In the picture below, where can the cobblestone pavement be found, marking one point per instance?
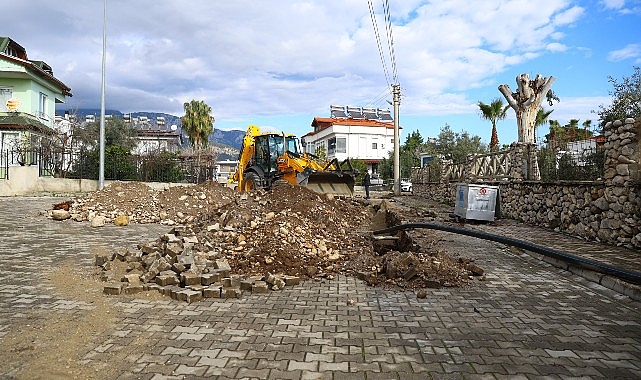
(527, 320)
(620, 257)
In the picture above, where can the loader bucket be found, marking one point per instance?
(327, 182)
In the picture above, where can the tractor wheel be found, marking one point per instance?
(251, 182)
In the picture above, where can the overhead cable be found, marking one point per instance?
(378, 42)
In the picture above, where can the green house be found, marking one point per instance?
(28, 96)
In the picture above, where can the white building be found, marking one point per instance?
(157, 139)
(365, 134)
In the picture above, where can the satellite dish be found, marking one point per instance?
(174, 127)
(13, 104)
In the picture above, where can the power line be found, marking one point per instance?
(380, 99)
(390, 39)
(378, 41)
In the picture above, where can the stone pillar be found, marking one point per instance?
(533, 173)
(622, 152)
(523, 163)
(621, 201)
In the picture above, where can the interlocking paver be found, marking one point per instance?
(527, 320)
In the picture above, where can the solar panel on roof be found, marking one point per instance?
(337, 111)
(370, 113)
(355, 112)
(385, 115)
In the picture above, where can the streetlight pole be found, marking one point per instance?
(396, 92)
(101, 172)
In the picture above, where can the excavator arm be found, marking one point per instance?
(246, 153)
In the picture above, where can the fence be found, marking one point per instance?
(83, 164)
(518, 163)
(576, 165)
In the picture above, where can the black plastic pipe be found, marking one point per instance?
(623, 274)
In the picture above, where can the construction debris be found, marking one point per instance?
(222, 243)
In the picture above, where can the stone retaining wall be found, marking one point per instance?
(607, 210)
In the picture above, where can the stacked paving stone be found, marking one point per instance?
(175, 266)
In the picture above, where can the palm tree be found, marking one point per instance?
(493, 112)
(541, 118)
(198, 123)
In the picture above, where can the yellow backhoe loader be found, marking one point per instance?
(267, 158)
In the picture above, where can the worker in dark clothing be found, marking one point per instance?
(366, 183)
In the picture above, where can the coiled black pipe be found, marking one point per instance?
(623, 274)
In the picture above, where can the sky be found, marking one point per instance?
(280, 63)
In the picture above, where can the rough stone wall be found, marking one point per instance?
(608, 210)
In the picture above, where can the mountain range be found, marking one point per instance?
(231, 138)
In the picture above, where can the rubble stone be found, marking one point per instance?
(230, 292)
(222, 264)
(260, 287)
(291, 280)
(190, 278)
(112, 289)
(98, 221)
(101, 259)
(60, 215)
(164, 280)
(132, 279)
(121, 220)
(133, 289)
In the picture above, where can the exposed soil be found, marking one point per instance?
(289, 230)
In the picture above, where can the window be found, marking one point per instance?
(5, 94)
(341, 145)
(10, 51)
(374, 145)
(331, 145)
(337, 145)
(42, 106)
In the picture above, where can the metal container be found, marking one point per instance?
(477, 202)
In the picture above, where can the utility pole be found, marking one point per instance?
(101, 171)
(396, 92)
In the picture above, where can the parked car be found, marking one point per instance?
(406, 186)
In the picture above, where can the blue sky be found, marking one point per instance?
(279, 64)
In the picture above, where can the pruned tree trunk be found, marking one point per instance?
(526, 102)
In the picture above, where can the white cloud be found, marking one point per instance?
(578, 108)
(273, 57)
(613, 4)
(631, 51)
(556, 47)
(569, 16)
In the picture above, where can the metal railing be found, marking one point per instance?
(119, 165)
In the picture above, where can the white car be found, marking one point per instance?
(406, 186)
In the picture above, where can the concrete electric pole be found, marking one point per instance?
(396, 92)
(101, 169)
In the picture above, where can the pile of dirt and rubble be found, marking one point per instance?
(142, 204)
(223, 242)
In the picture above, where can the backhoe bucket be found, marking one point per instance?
(341, 184)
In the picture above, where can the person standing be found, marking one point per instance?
(366, 183)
